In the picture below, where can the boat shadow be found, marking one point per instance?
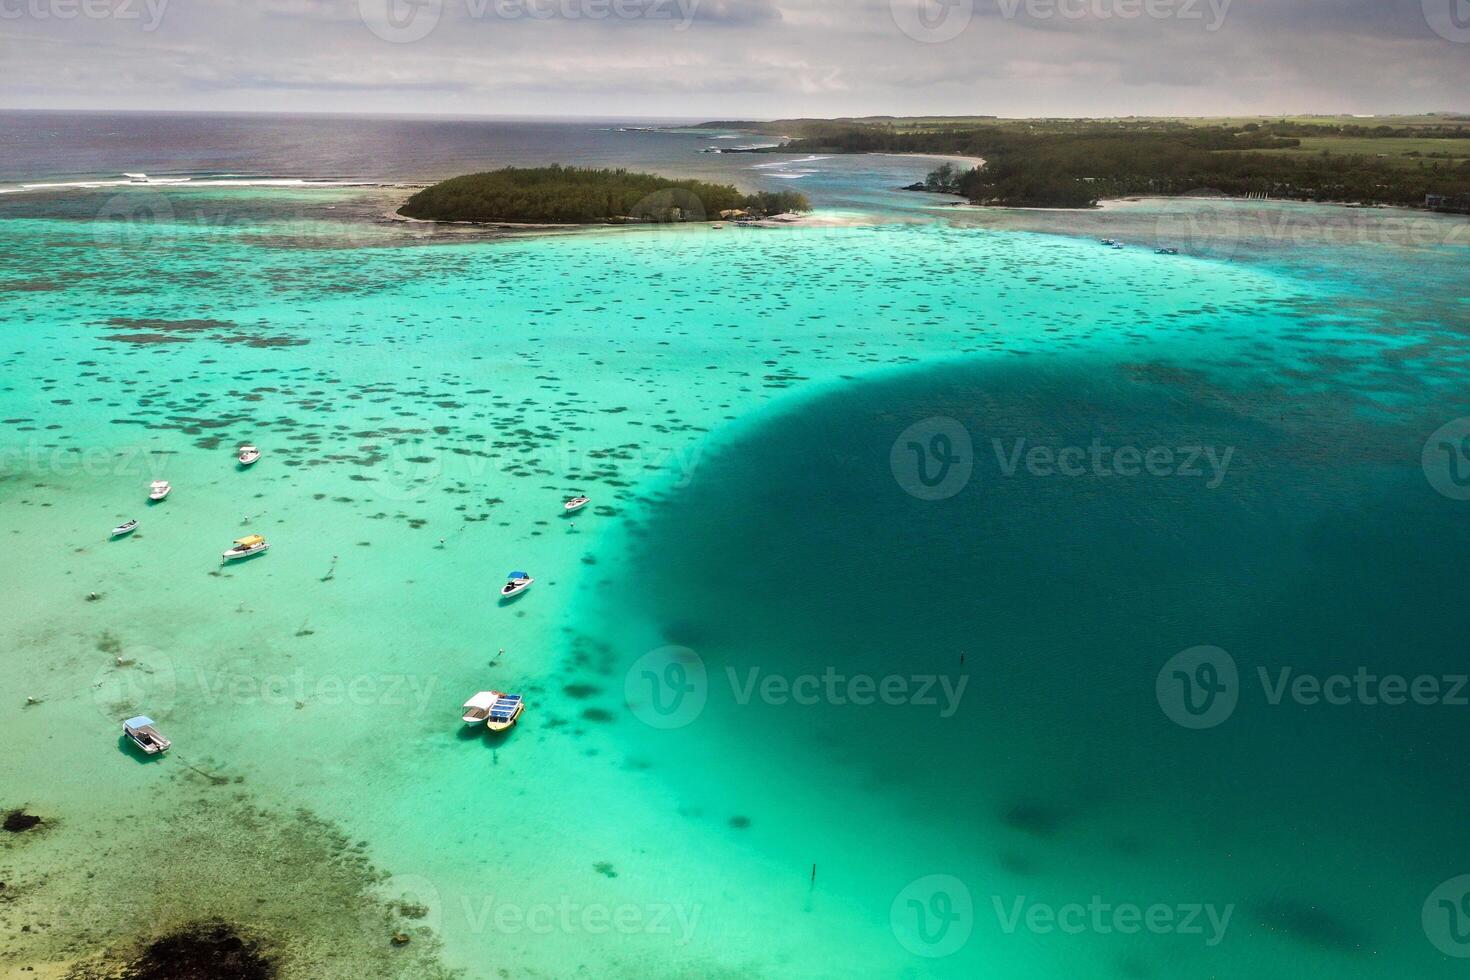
(496, 739)
(130, 749)
(479, 733)
(241, 560)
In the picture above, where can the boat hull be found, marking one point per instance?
(500, 726)
(506, 594)
(147, 748)
(241, 555)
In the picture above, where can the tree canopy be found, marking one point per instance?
(576, 195)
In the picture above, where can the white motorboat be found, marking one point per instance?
(252, 544)
(145, 736)
(477, 708)
(515, 584)
(248, 455)
(159, 489)
(576, 504)
(127, 527)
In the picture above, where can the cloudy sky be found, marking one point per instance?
(739, 58)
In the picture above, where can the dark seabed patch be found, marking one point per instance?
(196, 951)
(147, 331)
(1313, 925)
(219, 876)
(18, 821)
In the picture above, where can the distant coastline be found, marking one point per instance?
(1421, 163)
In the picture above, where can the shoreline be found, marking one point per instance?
(1115, 202)
(974, 162)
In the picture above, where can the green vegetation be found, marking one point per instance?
(573, 195)
(1078, 162)
(944, 179)
(1397, 151)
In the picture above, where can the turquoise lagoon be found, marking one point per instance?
(730, 399)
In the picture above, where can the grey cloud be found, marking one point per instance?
(745, 57)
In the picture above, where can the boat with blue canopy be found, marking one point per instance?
(516, 583)
(506, 710)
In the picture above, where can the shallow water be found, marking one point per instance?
(730, 400)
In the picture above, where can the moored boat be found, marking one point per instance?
(145, 735)
(516, 583)
(1166, 251)
(251, 544)
(477, 708)
(159, 489)
(576, 504)
(127, 527)
(248, 455)
(504, 712)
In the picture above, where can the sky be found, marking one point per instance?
(739, 59)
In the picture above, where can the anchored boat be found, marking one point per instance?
(477, 708)
(576, 504)
(516, 583)
(145, 736)
(494, 710)
(506, 712)
(248, 455)
(252, 544)
(159, 489)
(127, 527)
